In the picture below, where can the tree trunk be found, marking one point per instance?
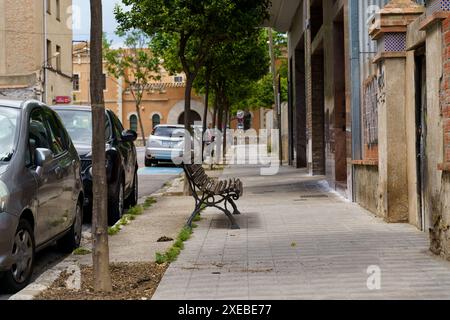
(216, 104)
(205, 113)
(138, 111)
(187, 124)
(187, 103)
(100, 252)
(226, 117)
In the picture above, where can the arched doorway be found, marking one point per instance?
(193, 118)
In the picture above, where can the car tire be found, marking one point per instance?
(116, 204)
(132, 199)
(149, 163)
(72, 239)
(18, 277)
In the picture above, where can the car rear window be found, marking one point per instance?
(169, 132)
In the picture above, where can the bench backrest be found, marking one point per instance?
(197, 175)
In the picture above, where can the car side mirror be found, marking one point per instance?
(43, 157)
(129, 136)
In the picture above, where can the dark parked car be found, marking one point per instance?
(41, 195)
(121, 158)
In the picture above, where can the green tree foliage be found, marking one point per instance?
(184, 31)
(135, 64)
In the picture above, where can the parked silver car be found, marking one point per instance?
(164, 144)
(41, 194)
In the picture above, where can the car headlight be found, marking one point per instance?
(4, 195)
(108, 162)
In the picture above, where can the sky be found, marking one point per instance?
(82, 21)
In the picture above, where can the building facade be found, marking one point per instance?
(163, 102)
(369, 104)
(36, 49)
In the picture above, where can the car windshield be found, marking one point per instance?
(8, 132)
(169, 132)
(79, 125)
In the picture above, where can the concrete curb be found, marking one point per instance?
(44, 281)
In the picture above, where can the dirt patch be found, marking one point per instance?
(165, 239)
(131, 281)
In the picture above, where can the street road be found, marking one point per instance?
(150, 181)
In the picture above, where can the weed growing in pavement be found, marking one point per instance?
(131, 215)
(149, 202)
(81, 251)
(173, 252)
(185, 234)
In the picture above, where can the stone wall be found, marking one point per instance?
(366, 186)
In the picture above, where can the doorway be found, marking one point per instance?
(195, 117)
(340, 112)
(421, 133)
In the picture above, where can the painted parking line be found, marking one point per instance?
(160, 171)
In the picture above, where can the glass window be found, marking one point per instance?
(156, 120)
(38, 133)
(78, 124)
(169, 132)
(57, 143)
(8, 132)
(134, 122)
(58, 58)
(58, 10)
(49, 54)
(76, 82)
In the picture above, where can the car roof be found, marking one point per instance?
(11, 103)
(170, 126)
(71, 107)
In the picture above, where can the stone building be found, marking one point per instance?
(36, 50)
(163, 103)
(369, 104)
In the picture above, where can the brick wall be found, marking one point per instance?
(445, 88)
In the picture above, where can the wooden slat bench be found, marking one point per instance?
(209, 192)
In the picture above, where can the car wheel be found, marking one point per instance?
(149, 163)
(132, 199)
(116, 204)
(72, 239)
(20, 273)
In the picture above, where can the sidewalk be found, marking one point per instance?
(300, 241)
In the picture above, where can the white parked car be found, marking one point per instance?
(164, 144)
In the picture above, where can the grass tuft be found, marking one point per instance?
(81, 251)
(149, 202)
(173, 252)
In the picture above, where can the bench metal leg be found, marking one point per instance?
(233, 204)
(198, 208)
(234, 225)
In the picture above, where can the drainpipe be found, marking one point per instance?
(44, 95)
(120, 99)
(356, 85)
